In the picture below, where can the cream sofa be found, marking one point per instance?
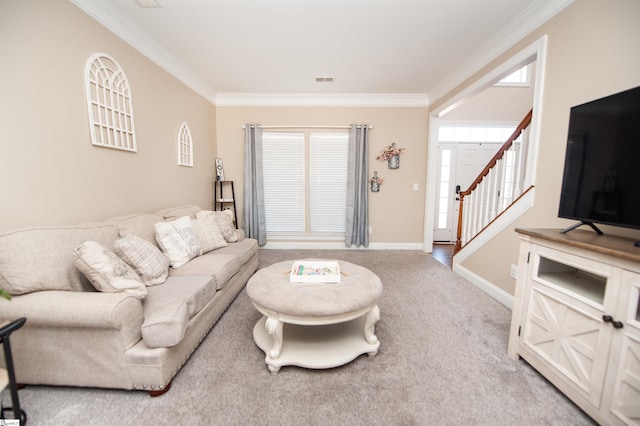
(78, 336)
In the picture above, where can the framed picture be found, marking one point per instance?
(219, 169)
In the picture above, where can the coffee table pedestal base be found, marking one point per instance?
(316, 346)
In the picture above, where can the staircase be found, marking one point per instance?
(498, 187)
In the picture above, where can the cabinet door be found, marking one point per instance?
(563, 328)
(625, 404)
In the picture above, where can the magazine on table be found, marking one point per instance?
(312, 271)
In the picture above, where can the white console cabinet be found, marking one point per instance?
(576, 318)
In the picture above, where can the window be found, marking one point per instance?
(185, 146)
(305, 182)
(472, 133)
(109, 104)
(518, 78)
(445, 183)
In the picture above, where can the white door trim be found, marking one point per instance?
(534, 52)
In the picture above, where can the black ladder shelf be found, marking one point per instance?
(220, 202)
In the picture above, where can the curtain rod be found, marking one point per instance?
(296, 126)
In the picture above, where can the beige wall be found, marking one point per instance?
(495, 103)
(397, 211)
(49, 171)
(51, 174)
(592, 52)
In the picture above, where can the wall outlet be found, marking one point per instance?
(371, 229)
(514, 271)
(415, 186)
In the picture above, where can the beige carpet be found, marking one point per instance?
(442, 361)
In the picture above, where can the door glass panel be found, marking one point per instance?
(445, 183)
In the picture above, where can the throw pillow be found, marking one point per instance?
(106, 271)
(178, 241)
(145, 258)
(224, 220)
(207, 233)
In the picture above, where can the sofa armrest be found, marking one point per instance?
(75, 309)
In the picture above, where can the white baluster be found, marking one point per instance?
(503, 167)
(468, 216)
(522, 161)
(485, 201)
(479, 210)
(472, 223)
(494, 192)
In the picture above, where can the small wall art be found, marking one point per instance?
(376, 182)
(391, 154)
(219, 169)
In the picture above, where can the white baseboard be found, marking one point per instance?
(500, 224)
(497, 293)
(337, 245)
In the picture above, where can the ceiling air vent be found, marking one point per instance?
(324, 79)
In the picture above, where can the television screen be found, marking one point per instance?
(601, 182)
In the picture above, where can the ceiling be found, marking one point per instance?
(411, 49)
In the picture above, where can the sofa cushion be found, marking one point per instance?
(106, 271)
(207, 233)
(169, 307)
(244, 249)
(144, 257)
(36, 259)
(173, 213)
(224, 220)
(140, 224)
(214, 264)
(178, 241)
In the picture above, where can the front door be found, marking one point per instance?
(458, 164)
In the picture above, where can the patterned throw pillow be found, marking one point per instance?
(224, 220)
(106, 271)
(145, 258)
(178, 241)
(207, 233)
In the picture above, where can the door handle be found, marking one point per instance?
(614, 323)
(457, 189)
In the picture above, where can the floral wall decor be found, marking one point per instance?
(376, 181)
(391, 154)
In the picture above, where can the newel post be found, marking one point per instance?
(458, 245)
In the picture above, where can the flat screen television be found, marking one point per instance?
(601, 181)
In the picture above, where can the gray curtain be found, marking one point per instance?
(357, 227)
(253, 214)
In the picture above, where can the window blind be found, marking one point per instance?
(283, 163)
(328, 181)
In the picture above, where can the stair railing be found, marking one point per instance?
(497, 186)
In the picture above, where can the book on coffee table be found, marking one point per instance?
(308, 271)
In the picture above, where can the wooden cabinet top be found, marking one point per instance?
(611, 245)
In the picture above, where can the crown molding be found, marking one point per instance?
(539, 12)
(117, 23)
(322, 99)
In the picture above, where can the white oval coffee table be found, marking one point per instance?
(315, 325)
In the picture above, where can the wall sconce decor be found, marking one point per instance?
(391, 154)
(376, 181)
